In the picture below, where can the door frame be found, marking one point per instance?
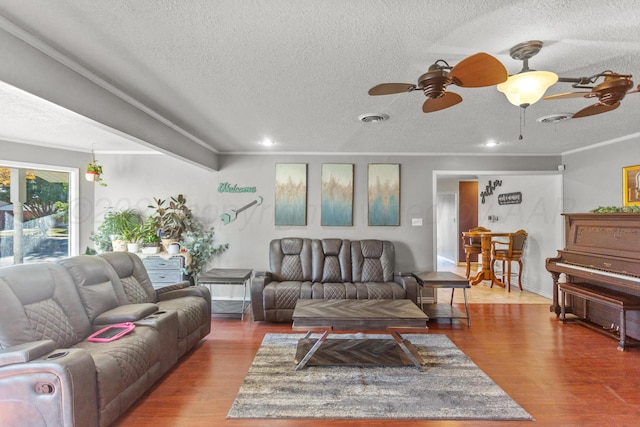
(466, 174)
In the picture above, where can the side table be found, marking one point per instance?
(228, 276)
(444, 279)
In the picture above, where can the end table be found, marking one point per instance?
(228, 276)
(444, 279)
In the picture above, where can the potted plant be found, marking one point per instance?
(149, 239)
(133, 237)
(115, 225)
(172, 218)
(94, 173)
(199, 244)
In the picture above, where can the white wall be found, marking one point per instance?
(538, 214)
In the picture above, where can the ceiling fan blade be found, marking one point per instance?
(567, 95)
(391, 88)
(447, 100)
(479, 70)
(636, 90)
(595, 109)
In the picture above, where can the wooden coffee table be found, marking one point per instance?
(325, 316)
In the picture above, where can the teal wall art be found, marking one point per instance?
(337, 194)
(384, 194)
(291, 194)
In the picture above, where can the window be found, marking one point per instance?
(35, 213)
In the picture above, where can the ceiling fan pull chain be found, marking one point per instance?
(523, 112)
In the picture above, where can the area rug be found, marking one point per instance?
(450, 386)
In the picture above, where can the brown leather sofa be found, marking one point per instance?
(51, 375)
(303, 268)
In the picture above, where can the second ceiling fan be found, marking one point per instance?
(609, 93)
(479, 70)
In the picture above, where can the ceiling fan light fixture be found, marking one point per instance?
(526, 88)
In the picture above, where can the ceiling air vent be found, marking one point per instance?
(373, 118)
(554, 118)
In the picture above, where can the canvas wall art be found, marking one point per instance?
(384, 194)
(631, 185)
(291, 194)
(337, 194)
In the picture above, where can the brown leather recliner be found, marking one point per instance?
(302, 268)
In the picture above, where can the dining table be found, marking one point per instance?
(485, 241)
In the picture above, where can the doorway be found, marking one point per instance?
(539, 213)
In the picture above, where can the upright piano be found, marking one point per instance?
(601, 250)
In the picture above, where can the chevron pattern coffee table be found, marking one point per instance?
(325, 316)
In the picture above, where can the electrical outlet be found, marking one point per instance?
(416, 222)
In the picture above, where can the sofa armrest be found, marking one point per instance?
(263, 274)
(26, 352)
(410, 285)
(61, 386)
(190, 291)
(125, 313)
(259, 281)
(170, 288)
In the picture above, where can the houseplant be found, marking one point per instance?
(609, 209)
(94, 173)
(149, 240)
(115, 226)
(133, 237)
(172, 218)
(199, 243)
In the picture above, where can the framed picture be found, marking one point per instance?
(631, 185)
(291, 194)
(336, 198)
(384, 194)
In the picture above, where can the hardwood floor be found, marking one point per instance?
(563, 375)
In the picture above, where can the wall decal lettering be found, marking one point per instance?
(488, 190)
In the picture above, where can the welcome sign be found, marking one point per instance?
(510, 198)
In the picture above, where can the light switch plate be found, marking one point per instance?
(416, 222)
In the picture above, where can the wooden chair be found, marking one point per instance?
(512, 253)
(472, 245)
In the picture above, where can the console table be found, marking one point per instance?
(228, 276)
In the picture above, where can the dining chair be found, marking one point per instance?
(512, 253)
(472, 246)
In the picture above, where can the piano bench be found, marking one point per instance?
(610, 298)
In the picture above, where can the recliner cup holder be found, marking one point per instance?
(156, 314)
(57, 355)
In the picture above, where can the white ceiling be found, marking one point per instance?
(232, 72)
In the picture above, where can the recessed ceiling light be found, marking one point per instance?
(373, 117)
(267, 142)
(491, 143)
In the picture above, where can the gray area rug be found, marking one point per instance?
(450, 387)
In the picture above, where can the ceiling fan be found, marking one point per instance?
(479, 70)
(528, 86)
(609, 93)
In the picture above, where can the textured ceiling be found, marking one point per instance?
(233, 72)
